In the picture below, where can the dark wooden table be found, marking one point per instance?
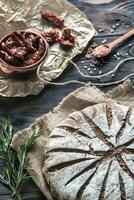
(104, 14)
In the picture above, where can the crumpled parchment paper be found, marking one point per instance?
(77, 100)
(25, 14)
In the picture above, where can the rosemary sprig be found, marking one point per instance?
(14, 172)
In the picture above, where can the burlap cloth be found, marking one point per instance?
(77, 100)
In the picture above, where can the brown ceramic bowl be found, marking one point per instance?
(10, 69)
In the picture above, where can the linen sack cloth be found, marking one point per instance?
(79, 99)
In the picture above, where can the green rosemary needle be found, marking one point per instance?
(14, 172)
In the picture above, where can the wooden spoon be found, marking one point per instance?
(104, 50)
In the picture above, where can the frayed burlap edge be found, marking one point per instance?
(123, 94)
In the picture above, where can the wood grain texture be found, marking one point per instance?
(24, 111)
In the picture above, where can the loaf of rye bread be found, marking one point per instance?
(90, 155)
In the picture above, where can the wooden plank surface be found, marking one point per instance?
(104, 14)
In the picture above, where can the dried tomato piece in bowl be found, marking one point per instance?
(22, 48)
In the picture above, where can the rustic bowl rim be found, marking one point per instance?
(27, 67)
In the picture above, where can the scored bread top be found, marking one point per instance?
(90, 155)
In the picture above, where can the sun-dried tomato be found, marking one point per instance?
(22, 48)
(29, 61)
(18, 40)
(35, 42)
(18, 52)
(53, 19)
(9, 43)
(10, 59)
(67, 40)
(51, 36)
(29, 46)
(41, 48)
(36, 56)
